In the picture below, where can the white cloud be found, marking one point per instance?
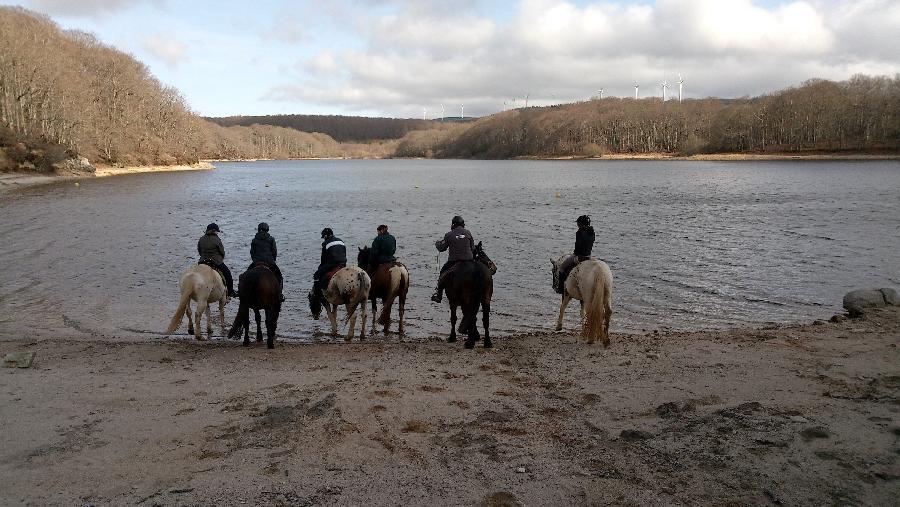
(165, 48)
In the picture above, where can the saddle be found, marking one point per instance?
(329, 275)
(261, 264)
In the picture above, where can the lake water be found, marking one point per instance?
(691, 244)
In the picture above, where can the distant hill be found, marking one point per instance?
(340, 128)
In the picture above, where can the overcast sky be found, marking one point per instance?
(396, 57)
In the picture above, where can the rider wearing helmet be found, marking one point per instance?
(384, 246)
(212, 253)
(461, 244)
(334, 255)
(263, 249)
(584, 242)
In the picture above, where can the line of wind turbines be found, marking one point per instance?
(515, 100)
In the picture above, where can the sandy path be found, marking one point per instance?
(794, 415)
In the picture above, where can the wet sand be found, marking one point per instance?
(794, 415)
(9, 181)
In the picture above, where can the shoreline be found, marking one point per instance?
(13, 180)
(794, 415)
(724, 157)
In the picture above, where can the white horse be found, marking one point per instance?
(204, 285)
(350, 287)
(591, 283)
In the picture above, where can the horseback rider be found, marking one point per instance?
(461, 244)
(334, 255)
(212, 253)
(584, 242)
(263, 249)
(384, 246)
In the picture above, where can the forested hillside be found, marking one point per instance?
(859, 115)
(341, 128)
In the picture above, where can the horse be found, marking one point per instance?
(204, 285)
(348, 286)
(389, 281)
(469, 285)
(259, 289)
(590, 282)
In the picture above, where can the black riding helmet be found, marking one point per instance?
(327, 232)
(263, 227)
(213, 227)
(583, 220)
(458, 222)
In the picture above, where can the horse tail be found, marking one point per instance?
(240, 320)
(595, 311)
(362, 293)
(182, 306)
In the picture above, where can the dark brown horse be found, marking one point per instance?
(258, 289)
(389, 281)
(470, 285)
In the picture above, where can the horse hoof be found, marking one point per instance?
(469, 344)
(270, 346)
(488, 345)
(246, 344)
(452, 339)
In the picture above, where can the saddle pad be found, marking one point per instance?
(331, 273)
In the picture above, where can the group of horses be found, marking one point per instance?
(469, 287)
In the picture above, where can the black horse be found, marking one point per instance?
(259, 289)
(470, 285)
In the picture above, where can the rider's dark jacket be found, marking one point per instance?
(263, 248)
(384, 246)
(334, 252)
(210, 247)
(584, 241)
(460, 242)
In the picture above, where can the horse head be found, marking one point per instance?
(554, 273)
(482, 257)
(362, 258)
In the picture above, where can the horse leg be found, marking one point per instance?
(469, 317)
(374, 313)
(271, 324)
(607, 314)
(401, 308)
(582, 309)
(332, 316)
(452, 324)
(351, 324)
(190, 317)
(485, 320)
(222, 316)
(562, 308)
(362, 328)
(202, 306)
(259, 334)
(385, 318)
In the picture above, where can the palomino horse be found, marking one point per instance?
(204, 285)
(389, 281)
(349, 286)
(591, 283)
(470, 285)
(259, 289)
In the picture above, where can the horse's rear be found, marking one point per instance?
(204, 285)
(390, 281)
(470, 287)
(350, 286)
(259, 290)
(596, 277)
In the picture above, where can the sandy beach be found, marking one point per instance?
(11, 180)
(784, 415)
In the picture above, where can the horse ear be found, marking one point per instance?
(360, 249)
(479, 244)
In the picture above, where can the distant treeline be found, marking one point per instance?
(862, 114)
(341, 128)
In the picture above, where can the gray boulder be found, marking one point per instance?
(78, 165)
(858, 301)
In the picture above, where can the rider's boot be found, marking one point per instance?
(438, 293)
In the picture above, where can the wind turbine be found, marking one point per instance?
(601, 93)
(665, 86)
(462, 111)
(526, 100)
(424, 113)
(442, 112)
(680, 84)
(635, 91)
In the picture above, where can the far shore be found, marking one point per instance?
(721, 157)
(11, 180)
